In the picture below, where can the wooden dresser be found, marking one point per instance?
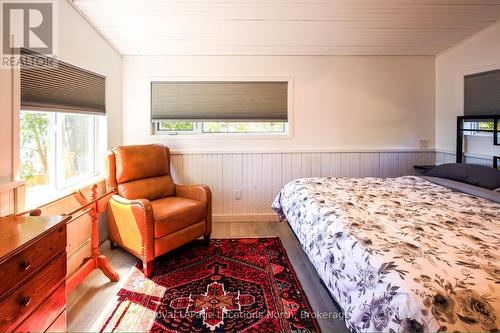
(33, 273)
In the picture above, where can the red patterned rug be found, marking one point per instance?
(233, 285)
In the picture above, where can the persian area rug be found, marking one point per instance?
(232, 285)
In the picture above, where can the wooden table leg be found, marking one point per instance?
(103, 265)
(96, 260)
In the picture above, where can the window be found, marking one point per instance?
(186, 127)
(485, 125)
(62, 128)
(479, 127)
(243, 127)
(58, 150)
(211, 107)
(175, 126)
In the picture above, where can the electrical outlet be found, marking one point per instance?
(423, 144)
(237, 194)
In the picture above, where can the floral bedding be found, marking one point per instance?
(400, 254)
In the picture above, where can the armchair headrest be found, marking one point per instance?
(141, 161)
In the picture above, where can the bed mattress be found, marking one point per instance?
(400, 254)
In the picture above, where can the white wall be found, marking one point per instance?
(7, 102)
(479, 53)
(6, 107)
(339, 103)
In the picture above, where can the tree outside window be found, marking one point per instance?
(57, 150)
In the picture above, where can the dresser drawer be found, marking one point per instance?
(47, 313)
(22, 265)
(27, 297)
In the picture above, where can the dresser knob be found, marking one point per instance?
(25, 301)
(25, 264)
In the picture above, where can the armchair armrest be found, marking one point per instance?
(131, 225)
(194, 192)
(144, 203)
(200, 193)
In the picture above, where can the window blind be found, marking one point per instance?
(219, 101)
(62, 88)
(482, 94)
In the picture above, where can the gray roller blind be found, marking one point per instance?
(482, 94)
(219, 101)
(63, 88)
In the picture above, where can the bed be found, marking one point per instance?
(400, 254)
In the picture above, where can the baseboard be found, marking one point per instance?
(246, 218)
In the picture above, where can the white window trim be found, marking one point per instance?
(199, 134)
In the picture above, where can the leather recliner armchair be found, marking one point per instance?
(150, 215)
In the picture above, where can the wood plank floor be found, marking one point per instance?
(87, 301)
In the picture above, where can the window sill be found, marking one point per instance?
(230, 136)
(44, 197)
(7, 185)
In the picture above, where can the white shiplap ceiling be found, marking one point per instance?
(287, 27)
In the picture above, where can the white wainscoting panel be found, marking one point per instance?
(245, 184)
